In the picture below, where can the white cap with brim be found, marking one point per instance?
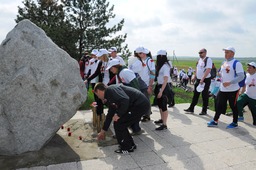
(112, 63)
(101, 52)
(252, 64)
(162, 52)
(112, 49)
(94, 52)
(142, 50)
(230, 49)
(200, 87)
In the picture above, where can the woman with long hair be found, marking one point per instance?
(163, 77)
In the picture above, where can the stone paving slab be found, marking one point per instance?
(187, 144)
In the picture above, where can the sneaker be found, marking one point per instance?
(203, 113)
(212, 123)
(162, 127)
(158, 121)
(122, 151)
(189, 110)
(240, 119)
(232, 125)
(145, 119)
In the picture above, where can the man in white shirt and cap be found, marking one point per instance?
(203, 79)
(229, 88)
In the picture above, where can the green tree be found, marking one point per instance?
(91, 18)
(50, 16)
(76, 25)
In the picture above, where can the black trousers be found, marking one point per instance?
(205, 94)
(221, 104)
(123, 136)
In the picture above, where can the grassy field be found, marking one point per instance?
(181, 96)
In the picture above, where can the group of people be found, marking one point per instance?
(126, 90)
(229, 79)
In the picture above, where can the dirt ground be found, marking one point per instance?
(81, 145)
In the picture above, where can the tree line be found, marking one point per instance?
(76, 26)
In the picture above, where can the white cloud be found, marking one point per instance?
(180, 25)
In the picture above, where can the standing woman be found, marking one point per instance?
(102, 74)
(163, 77)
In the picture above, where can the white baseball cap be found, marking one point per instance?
(252, 64)
(112, 63)
(230, 49)
(94, 52)
(162, 52)
(200, 87)
(141, 50)
(101, 52)
(112, 49)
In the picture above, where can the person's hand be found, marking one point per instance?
(225, 84)
(115, 118)
(101, 135)
(159, 95)
(85, 82)
(150, 90)
(201, 81)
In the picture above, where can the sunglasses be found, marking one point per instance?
(200, 52)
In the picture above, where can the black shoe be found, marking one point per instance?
(158, 121)
(189, 110)
(171, 105)
(122, 151)
(203, 113)
(162, 127)
(145, 118)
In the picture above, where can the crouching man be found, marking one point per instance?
(126, 106)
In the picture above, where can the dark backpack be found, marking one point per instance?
(241, 83)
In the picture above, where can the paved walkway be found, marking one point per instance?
(187, 144)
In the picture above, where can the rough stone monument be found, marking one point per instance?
(40, 89)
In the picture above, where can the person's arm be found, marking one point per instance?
(108, 119)
(120, 99)
(207, 71)
(163, 87)
(96, 73)
(107, 122)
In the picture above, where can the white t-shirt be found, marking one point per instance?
(126, 75)
(106, 78)
(163, 72)
(175, 71)
(86, 67)
(190, 71)
(200, 68)
(93, 64)
(142, 68)
(250, 83)
(228, 73)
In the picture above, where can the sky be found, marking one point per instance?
(183, 26)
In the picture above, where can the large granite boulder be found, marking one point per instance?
(40, 89)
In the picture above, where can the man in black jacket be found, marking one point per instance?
(126, 106)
